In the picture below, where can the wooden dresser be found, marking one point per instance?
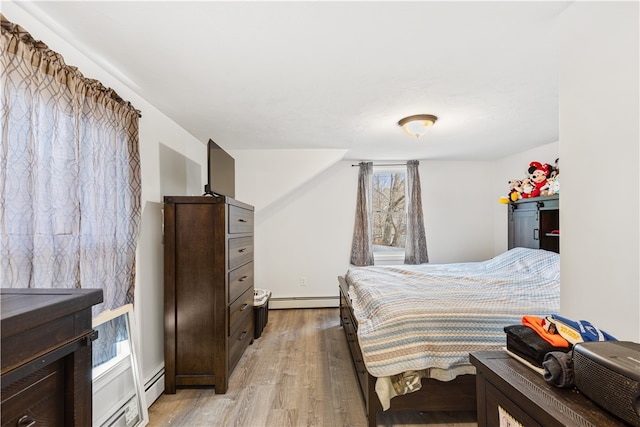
(510, 393)
(46, 356)
(208, 289)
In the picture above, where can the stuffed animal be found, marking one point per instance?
(556, 169)
(543, 180)
(538, 174)
(515, 190)
(527, 188)
(554, 179)
(554, 186)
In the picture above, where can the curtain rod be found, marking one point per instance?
(387, 164)
(56, 61)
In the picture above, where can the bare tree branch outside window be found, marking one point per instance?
(389, 212)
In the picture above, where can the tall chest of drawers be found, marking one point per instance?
(208, 289)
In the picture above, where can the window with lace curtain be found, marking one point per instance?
(69, 175)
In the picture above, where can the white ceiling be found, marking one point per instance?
(262, 75)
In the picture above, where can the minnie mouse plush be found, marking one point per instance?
(538, 174)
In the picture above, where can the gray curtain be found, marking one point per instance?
(70, 182)
(415, 251)
(362, 246)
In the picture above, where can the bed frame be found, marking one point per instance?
(434, 396)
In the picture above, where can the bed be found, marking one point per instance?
(410, 328)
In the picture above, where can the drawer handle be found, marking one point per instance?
(26, 421)
(243, 278)
(242, 220)
(242, 250)
(244, 307)
(243, 336)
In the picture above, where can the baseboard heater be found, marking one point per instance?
(154, 387)
(304, 302)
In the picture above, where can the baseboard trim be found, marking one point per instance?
(304, 302)
(154, 388)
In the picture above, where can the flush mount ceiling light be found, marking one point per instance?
(418, 124)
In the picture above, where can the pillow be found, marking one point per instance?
(507, 259)
(528, 261)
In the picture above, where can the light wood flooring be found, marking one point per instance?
(298, 373)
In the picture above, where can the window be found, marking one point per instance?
(389, 222)
(71, 168)
(389, 228)
(118, 392)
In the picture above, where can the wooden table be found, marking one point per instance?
(46, 356)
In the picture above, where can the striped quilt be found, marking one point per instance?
(419, 317)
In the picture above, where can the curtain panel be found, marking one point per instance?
(70, 182)
(415, 251)
(362, 244)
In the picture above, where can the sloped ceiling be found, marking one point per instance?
(264, 75)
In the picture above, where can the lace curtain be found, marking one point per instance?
(362, 244)
(70, 181)
(415, 251)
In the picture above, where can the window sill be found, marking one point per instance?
(388, 258)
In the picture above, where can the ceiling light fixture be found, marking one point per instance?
(418, 124)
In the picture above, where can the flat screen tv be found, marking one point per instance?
(221, 172)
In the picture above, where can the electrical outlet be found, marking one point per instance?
(303, 281)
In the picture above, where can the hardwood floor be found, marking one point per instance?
(298, 373)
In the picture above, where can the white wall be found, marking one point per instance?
(458, 210)
(301, 198)
(599, 138)
(305, 209)
(171, 162)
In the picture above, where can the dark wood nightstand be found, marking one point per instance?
(509, 389)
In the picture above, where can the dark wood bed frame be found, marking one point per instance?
(434, 396)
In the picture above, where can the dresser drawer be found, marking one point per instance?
(240, 220)
(240, 251)
(240, 280)
(38, 397)
(345, 314)
(240, 309)
(356, 354)
(240, 340)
